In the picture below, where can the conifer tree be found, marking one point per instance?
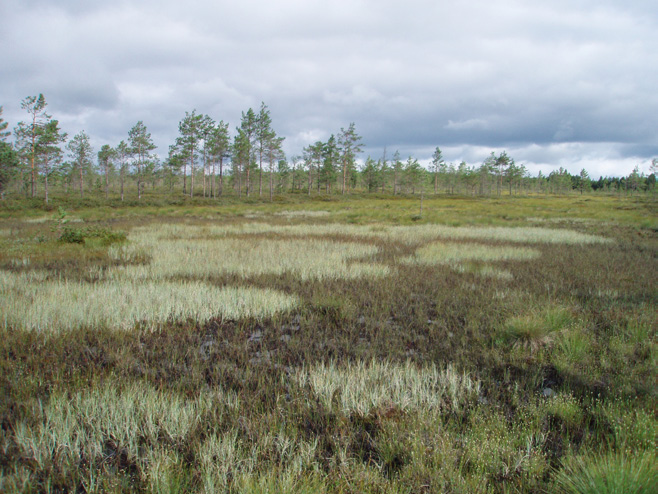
(219, 144)
(105, 160)
(140, 145)
(248, 129)
(36, 107)
(313, 156)
(330, 157)
(413, 174)
(397, 171)
(241, 158)
(350, 145)
(437, 161)
(3, 126)
(502, 163)
(8, 157)
(383, 170)
(122, 153)
(206, 127)
(264, 138)
(48, 149)
(369, 174)
(80, 152)
(191, 132)
(275, 154)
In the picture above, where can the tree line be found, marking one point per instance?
(206, 160)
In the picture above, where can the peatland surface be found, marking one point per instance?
(330, 345)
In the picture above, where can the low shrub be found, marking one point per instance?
(95, 234)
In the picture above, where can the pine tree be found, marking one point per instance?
(8, 157)
(634, 180)
(248, 128)
(191, 132)
(413, 174)
(3, 126)
(369, 174)
(437, 161)
(330, 158)
(241, 158)
(105, 160)
(313, 157)
(173, 165)
(502, 163)
(122, 153)
(283, 174)
(48, 149)
(486, 172)
(397, 171)
(206, 128)
(140, 145)
(295, 165)
(264, 137)
(219, 150)
(383, 170)
(350, 145)
(275, 154)
(80, 152)
(36, 107)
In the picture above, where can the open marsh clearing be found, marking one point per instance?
(303, 350)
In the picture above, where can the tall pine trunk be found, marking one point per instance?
(81, 193)
(221, 166)
(344, 176)
(247, 182)
(139, 180)
(33, 178)
(213, 191)
(260, 175)
(45, 176)
(192, 176)
(184, 177)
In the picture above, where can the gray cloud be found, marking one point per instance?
(563, 83)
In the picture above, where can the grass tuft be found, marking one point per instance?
(537, 328)
(612, 473)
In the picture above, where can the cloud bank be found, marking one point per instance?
(557, 84)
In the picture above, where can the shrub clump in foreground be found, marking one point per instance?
(94, 234)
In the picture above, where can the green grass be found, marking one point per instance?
(538, 327)
(610, 474)
(336, 346)
(596, 209)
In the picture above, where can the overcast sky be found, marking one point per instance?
(571, 83)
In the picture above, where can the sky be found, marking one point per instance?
(554, 83)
